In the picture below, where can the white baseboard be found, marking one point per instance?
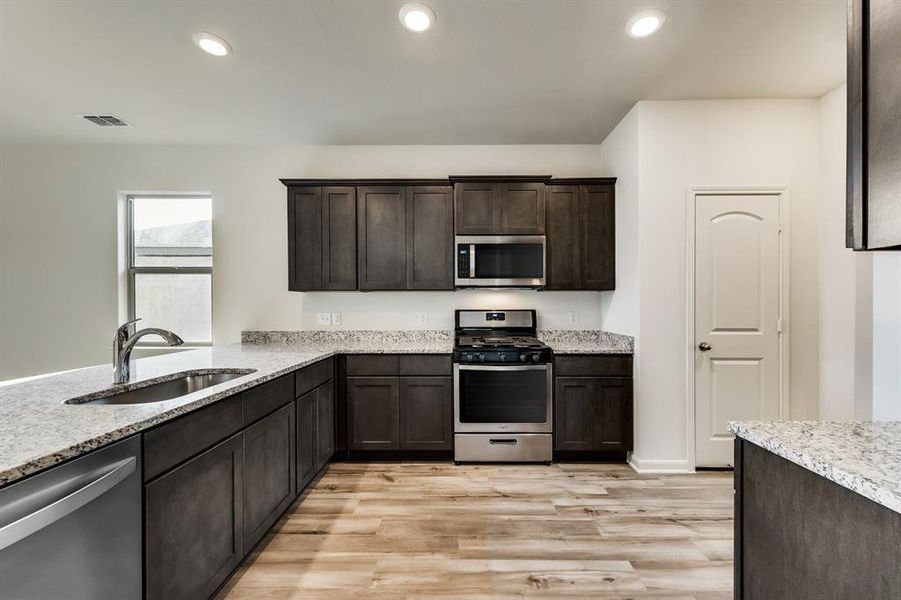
(645, 466)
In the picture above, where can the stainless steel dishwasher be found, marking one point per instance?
(74, 531)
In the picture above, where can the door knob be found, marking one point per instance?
(704, 347)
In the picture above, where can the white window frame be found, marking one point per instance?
(132, 270)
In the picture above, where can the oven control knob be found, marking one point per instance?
(467, 356)
(501, 356)
(481, 357)
(523, 357)
(535, 358)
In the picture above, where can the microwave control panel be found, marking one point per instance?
(463, 261)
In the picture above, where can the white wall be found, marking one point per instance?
(886, 336)
(58, 239)
(715, 143)
(619, 155)
(845, 283)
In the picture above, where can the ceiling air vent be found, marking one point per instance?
(105, 120)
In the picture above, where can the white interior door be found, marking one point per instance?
(737, 318)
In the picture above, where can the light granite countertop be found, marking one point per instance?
(38, 430)
(862, 456)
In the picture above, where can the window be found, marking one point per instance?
(170, 265)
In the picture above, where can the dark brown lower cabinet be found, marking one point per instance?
(269, 471)
(306, 438)
(400, 413)
(325, 423)
(426, 413)
(372, 413)
(800, 536)
(195, 523)
(315, 431)
(593, 414)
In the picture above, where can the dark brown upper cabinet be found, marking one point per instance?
(322, 238)
(382, 231)
(430, 238)
(581, 240)
(398, 234)
(474, 208)
(492, 207)
(405, 238)
(873, 215)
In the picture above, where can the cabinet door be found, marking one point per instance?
(382, 231)
(426, 413)
(613, 414)
(269, 471)
(430, 238)
(474, 208)
(307, 444)
(373, 412)
(305, 238)
(519, 209)
(562, 223)
(194, 523)
(598, 242)
(339, 238)
(574, 413)
(325, 419)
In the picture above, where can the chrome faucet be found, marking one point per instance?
(124, 342)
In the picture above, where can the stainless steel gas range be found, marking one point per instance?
(503, 388)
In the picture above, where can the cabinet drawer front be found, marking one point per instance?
(264, 399)
(178, 440)
(313, 376)
(593, 365)
(421, 364)
(372, 364)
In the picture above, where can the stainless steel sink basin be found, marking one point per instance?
(180, 384)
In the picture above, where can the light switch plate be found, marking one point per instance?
(336, 318)
(573, 318)
(323, 318)
(423, 319)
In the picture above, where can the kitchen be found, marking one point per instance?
(438, 330)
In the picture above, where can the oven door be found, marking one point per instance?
(499, 398)
(500, 261)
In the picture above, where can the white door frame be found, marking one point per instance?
(784, 298)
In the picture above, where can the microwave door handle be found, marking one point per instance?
(472, 261)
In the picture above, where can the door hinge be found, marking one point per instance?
(778, 325)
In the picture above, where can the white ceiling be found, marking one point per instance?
(346, 72)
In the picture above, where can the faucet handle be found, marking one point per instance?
(126, 329)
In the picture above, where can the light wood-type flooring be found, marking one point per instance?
(438, 531)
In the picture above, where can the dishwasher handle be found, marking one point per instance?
(112, 475)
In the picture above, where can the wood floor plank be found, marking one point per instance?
(411, 531)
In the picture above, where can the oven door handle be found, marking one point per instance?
(544, 367)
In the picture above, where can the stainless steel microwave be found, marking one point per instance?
(500, 261)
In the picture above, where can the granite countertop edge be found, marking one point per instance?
(761, 434)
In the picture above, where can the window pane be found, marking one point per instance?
(179, 302)
(173, 232)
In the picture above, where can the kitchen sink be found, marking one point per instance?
(180, 384)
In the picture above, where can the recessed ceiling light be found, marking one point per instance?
(416, 17)
(645, 23)
(212, 44)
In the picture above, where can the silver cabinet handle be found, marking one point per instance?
(47, 515)
(704, 347)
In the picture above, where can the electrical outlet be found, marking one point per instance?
(573, 318)
(422, 319)
(336, 318)
(323, 318)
